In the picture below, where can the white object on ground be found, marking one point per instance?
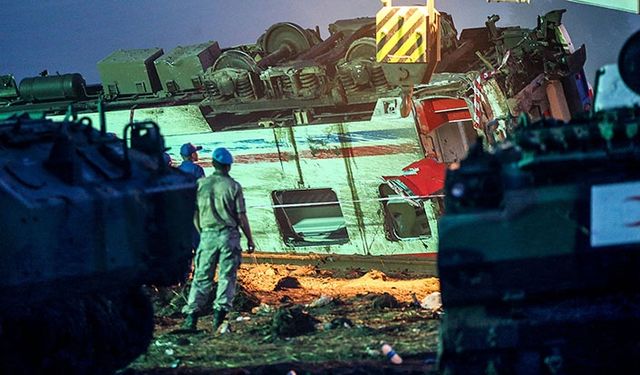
(224, 328)
(322, 301)
(391, 354)
(432, 301)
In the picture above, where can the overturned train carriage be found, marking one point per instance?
(86, 220)
(324, 188)
(328, 163)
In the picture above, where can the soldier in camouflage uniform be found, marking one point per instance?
(221, 210)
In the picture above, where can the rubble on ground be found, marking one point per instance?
(432, 302)
(340, 322)
(261, 280)
(244, 300)
(322, 301)
(292, 321)
(168, 302)
(287, 282)
(332, 316)
(383, 301)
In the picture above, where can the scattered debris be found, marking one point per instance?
(162, 343)
(414, 301)
(263, 309)
(287, 282)
(168, 302)
(348, 328)
(224, 328)
(292, 321)
(432, 302)
(333, 283)
(285, 300)
(244, 300)
(339, 323)
(383, 301)
(320, 302)
(375, 275)
(325, 304)
(391, 354)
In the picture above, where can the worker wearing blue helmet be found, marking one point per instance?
(189, 154)
(220, 212)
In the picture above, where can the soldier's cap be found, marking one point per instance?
(222, 156)
(188, 149)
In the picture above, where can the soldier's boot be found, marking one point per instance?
(218, 318)
(190, 322)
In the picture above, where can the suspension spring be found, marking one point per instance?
(378, 77)
(287, 85)
(244, 88)
(309, 81)
(347, 81)
(212, 90)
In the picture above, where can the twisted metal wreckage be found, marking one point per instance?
(329, 163)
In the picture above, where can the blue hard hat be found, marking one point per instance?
(222, 156)
(188, 149)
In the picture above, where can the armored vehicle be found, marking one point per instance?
(545, 278)
(87, 218)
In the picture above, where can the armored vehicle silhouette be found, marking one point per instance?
(87, 218)
(544, 279)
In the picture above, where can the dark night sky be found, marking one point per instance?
(72, 35)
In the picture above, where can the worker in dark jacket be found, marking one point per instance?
(189, 154)
(220, 212)
(167, 159)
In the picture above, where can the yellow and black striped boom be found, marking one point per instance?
(408, 35)
(402, 33)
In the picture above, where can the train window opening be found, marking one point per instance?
(402, 220)
(310, 217)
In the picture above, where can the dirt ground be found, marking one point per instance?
(304, 319)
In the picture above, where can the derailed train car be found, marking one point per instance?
(328, 163)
